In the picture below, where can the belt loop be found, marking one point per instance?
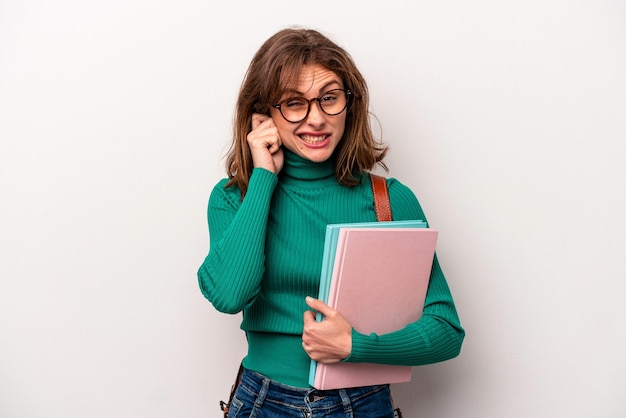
(265, 386)
(347, 405)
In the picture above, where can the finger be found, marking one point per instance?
(308, 315)
(257, 119)
(275, 145)
(307, 348)
(319, 306)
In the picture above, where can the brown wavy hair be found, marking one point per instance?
(275, 67)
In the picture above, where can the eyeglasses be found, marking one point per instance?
(296, 109)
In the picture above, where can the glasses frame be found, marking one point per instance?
(348, 94)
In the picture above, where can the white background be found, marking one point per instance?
(507, 119)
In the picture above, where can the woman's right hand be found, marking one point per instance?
(265, 144)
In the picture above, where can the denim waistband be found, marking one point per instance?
(304, 397)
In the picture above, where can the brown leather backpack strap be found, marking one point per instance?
(381, 198)
(225, 406)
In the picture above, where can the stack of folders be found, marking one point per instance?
(376, 275)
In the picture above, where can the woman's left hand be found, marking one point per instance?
(329, 341)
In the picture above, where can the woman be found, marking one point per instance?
(302, 149)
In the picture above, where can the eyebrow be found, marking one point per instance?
(324, 88)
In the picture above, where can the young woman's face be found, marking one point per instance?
(316, 136)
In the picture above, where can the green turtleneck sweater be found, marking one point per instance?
(266, 254)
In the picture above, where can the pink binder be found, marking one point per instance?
(379, 283)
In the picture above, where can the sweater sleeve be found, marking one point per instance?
(437, 335)
(231, 273)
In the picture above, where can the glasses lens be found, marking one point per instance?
(333, 102)
(295, 109)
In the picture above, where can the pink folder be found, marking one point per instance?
(379, 283)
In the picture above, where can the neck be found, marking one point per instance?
(300, 169)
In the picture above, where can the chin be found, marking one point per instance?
(317, 156)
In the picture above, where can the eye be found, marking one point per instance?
(329, 98)
(295, 102)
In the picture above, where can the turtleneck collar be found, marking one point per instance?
(300, 170)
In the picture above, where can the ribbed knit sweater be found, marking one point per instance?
(265, 257)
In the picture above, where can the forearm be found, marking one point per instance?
(429, 341)
(436, 336)
(231, 274)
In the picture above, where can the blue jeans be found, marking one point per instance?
(260, 397)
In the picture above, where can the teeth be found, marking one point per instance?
(312, 139)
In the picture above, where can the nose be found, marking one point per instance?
(316, 116)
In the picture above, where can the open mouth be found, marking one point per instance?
(313, 140)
